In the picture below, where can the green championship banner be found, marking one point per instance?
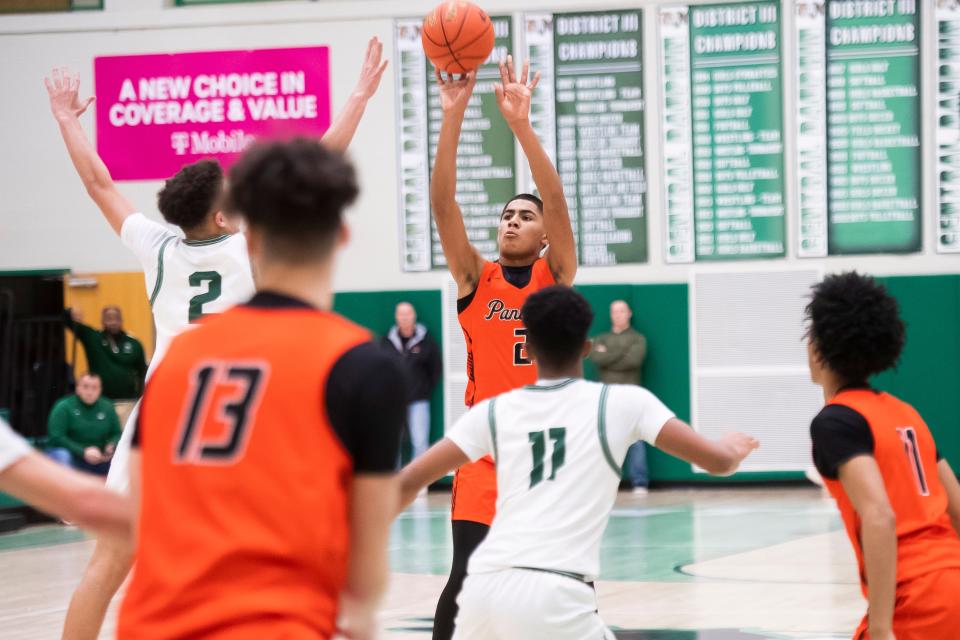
(858, 114)
(948, 128)
(589, 112)
(723, 131)
(486, 171)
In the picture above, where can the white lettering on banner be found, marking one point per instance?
(212, 98)
(289, 108)
(204, 143)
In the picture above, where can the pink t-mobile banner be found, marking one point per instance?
(156, 113)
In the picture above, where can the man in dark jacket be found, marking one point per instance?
(422, 358)
(618, 355)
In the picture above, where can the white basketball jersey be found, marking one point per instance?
(187, 279)
(558, 446)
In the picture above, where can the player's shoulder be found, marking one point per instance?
(138, 226)
(835, 418)
(627, 392)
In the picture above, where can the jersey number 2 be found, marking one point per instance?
(214, 288)
(911, 447)
(236, 410)
(520, 348)
(558, 435)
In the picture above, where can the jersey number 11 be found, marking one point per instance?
(558, 435)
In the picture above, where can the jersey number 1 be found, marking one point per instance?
(243, 385)
(214, 288)
(912, 448)
(538, 443)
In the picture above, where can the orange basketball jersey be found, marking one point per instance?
(243, 529)
(496, 363)
(907, 456)
(496, 340)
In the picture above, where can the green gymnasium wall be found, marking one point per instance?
(375, 309)
(928, 376)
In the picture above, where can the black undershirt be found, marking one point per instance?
(365, 395)
(517, 276)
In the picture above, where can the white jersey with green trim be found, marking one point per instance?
(186, 279)
(558, 446)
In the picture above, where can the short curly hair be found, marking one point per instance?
(855, 326)
(295, 193)
(192, 194)
(557, 319)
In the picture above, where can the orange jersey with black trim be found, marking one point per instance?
(244, 529)
(906, 454)
(496, 363)
(496, 339)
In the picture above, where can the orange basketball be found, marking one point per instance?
(457, 36)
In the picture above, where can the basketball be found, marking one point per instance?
(457, 36)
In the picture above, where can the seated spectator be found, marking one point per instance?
(115, 356)
(422, 359)
(83, 429)
(76, 497)
(618, 356)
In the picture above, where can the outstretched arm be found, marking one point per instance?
(513, 98)
(719, 457)
(64, 492)
(438, 461)
(344, 126)
(67, 107)
(464, 261)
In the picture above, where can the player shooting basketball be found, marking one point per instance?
(536, 250)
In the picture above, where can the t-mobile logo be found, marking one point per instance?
(180, 141)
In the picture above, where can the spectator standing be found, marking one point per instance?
(421, 355)
(115, 356)
(618, 356)
(83, 429)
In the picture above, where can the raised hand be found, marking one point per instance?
(455, 92)
(372, 70)
(63, 88)
(740, 446)
(513, 95)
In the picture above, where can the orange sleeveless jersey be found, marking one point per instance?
(907, 456)
(243, 528)
(496, 363)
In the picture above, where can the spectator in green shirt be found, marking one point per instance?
(83, 429)
(112, 354)
(618, 356)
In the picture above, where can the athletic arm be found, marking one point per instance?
(513, 98)
(468, 440)
(366, 405)
(863, 484)
(58, 425)
(438, 461)
(73, 496)
(952, 487)
(719, 457)
(63, 87)
(136, 487)
(344, 126)
(373, 500)
(463, 259)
